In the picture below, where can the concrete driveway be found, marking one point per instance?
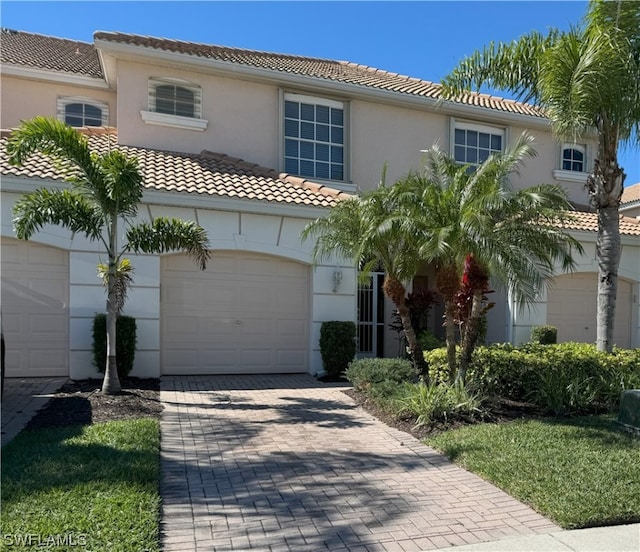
(286, 463)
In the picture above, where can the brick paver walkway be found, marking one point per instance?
(285, 463)
(22, 398)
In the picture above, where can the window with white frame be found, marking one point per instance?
(473, 143)
(82, 112)
(174, 103)
(573, 157)
(314, 137)
(174, 97)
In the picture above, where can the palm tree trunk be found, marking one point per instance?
(111, 383)
(470, 336)
(608, 254)
(448, 284)
(395, 290)
(605, 186)
(450, 336)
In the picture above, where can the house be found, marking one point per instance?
(253, 145)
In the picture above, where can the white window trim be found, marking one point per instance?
(64, 101)
(480, 127)
(345, 184)
(573, 176)
(151, 117)
(175, 121)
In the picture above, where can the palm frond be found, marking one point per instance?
(169, 234)
(66, 208)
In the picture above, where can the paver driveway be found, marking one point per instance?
(286, 463)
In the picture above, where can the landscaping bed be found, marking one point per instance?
(81, 403)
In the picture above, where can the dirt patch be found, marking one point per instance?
(81, 403)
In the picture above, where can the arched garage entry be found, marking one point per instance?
(572, 308)
(247, 313)
(35, 308)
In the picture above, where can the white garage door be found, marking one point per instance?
(35, 309)
(572, 309)
(246, 313)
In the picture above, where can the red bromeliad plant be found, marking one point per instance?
(471, 305)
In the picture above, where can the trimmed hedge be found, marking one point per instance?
(365, 372)
(563, 378)
(337, 345)
(544, 335)
(126, 340)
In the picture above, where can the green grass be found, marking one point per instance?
(98, 484)
(579, 472)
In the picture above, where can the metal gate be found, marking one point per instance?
(371, 317)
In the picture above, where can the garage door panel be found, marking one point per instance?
(35, 309)
(572, 308)
(244, 317)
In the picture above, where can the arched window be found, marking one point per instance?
(573, 158)
(175, 100)
(171, 97)
(82, 112)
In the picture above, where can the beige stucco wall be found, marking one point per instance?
(25, 98)
(244, 121)
(242, 116)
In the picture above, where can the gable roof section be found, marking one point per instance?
(631, 194)
(49, 53)
(207, 173)
(323, 69)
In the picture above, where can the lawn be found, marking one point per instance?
(579, 472)
(94, 485)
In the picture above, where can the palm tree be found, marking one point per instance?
(587, 80)
(515, 236)
(370, 231)
(107, 189)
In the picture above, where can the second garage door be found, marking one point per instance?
(246, 313)
(572, 308)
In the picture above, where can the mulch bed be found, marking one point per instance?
(503, 411)
(81, 403)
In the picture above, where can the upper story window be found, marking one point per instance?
(573, 157)
(174, 97)
(81, 112)
(472, 143)
(175, 103)
(314, 137)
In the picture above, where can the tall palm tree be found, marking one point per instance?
(370, 231)
(587, 80)
(106, 189)
(516, 236)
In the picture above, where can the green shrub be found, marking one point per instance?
(337, 345)
(367, 372)
(563, 378)
(439, 402)
(126, 339)
(544, 335)
(429, 342)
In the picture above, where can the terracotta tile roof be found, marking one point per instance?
(57, 54)
(588, 222)
(325, 69)
(207, 173)
(631, 193)
(49, 53)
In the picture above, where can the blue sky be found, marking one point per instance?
(421, 39)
